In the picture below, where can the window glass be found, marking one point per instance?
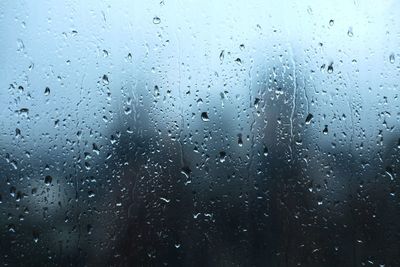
(199, 133)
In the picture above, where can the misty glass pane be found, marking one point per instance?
(199, 133)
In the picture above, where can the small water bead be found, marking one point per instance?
(156, 20)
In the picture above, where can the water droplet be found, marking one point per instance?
(127, 110)
(95, 149)
(389, 172)
(204, 116)
(105, 53)
(47, 91)
(17, 132)
(156, 91)
(105, 79)
(89, 229)
(238, 61)
(222, 55)
(222, 156)
(165, 199)
(91, 194)
(240, 140)
(14, 164)
(265, 151)
(350, 32)
(330, 68)
(325, 131)
(24, 112)
(309, 118)
(186, 171)
(35, 235)
(331, 22)
(242, 47)
(156, 20)
(20, 45)
(48, 179)
(12, 191)
(391, 58)
(11, 228)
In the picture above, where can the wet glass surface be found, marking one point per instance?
(199, 133)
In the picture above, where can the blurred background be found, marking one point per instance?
(199, 133)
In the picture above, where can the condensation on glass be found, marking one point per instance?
(199, 133)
